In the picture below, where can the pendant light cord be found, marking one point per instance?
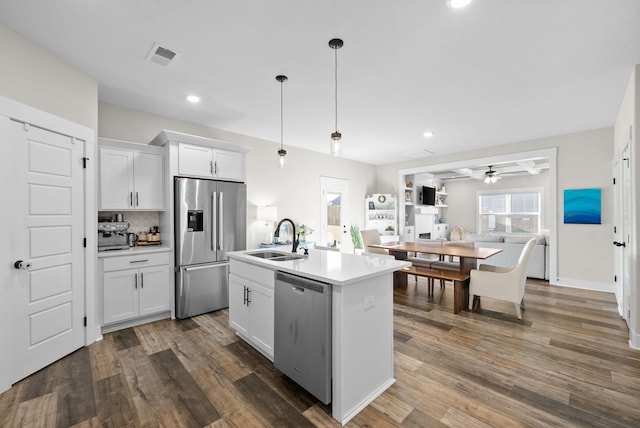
(336, 78)
(281, 118)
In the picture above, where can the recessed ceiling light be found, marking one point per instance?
(193, 99)
(428, 134)
(458, 4)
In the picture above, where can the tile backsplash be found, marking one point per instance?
(139, 221)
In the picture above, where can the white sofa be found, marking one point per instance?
(512, 245)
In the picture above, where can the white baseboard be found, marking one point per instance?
(585, 285)
(634, 339)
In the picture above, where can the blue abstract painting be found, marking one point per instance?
(582, 206)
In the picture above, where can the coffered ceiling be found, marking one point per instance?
(496, 72)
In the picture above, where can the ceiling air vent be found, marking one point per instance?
(161, 55)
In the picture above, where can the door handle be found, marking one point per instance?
(21, 265)
(619, 244)
(141, 280)
(220, 214)
(135, 284)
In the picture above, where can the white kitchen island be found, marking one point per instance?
(362, 317)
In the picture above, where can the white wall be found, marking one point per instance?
(629, 116)
(585, 257)
(294, 190)
(33, 76)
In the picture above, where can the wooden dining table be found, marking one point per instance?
(466, 255)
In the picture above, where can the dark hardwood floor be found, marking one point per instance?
(567, 363)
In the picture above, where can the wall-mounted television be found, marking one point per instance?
(428, 195)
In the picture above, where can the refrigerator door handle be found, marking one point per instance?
(205, 266)
(214, 209)
(220, 221)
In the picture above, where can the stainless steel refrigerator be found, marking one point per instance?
(210, 219)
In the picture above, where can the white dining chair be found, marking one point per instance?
(502, 283)
(370, 237)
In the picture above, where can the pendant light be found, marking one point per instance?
(336, 137)
(281, 152)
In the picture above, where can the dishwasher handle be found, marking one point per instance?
(303, 283)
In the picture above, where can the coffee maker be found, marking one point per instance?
(112, 235)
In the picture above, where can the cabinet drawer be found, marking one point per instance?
(134, 262)
(253, 273)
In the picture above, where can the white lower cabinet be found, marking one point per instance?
(135, 287)
(251, 312)
(440, 231)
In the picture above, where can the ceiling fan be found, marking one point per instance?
(491, 176)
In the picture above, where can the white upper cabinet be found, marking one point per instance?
(195, 160)
(203, 157)
(228, 164)
(131, 176)
(210, 162)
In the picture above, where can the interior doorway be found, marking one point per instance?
(334, 215)
(550, 223)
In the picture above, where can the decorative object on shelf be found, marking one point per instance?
(336, 137)
(372, 206)
(582, 206)
(409, 184)
(443, 190)
(389, 230)
(491, 176)
(281, 152)
(407, 196)
(382, 199)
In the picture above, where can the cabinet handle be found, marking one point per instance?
(211, 167)
(215, 168)
(131, 198)
(141, 280)
(244, 295)
(248, 296)
(135, 275)
(137, 204)
(139, 261)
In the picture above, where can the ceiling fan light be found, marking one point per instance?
(487, 179)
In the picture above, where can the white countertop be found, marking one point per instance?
(327, 266)
(133, 251)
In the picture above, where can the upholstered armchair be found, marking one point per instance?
(502, 283)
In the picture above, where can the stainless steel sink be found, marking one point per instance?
(267, 254)
(287, 257)
(276, 256)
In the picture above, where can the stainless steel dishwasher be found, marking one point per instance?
(302, 337)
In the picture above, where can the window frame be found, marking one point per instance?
(510, 191)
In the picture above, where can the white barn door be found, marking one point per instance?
(46, 270)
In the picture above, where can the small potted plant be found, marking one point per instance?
(389, 230)
(303, 231)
